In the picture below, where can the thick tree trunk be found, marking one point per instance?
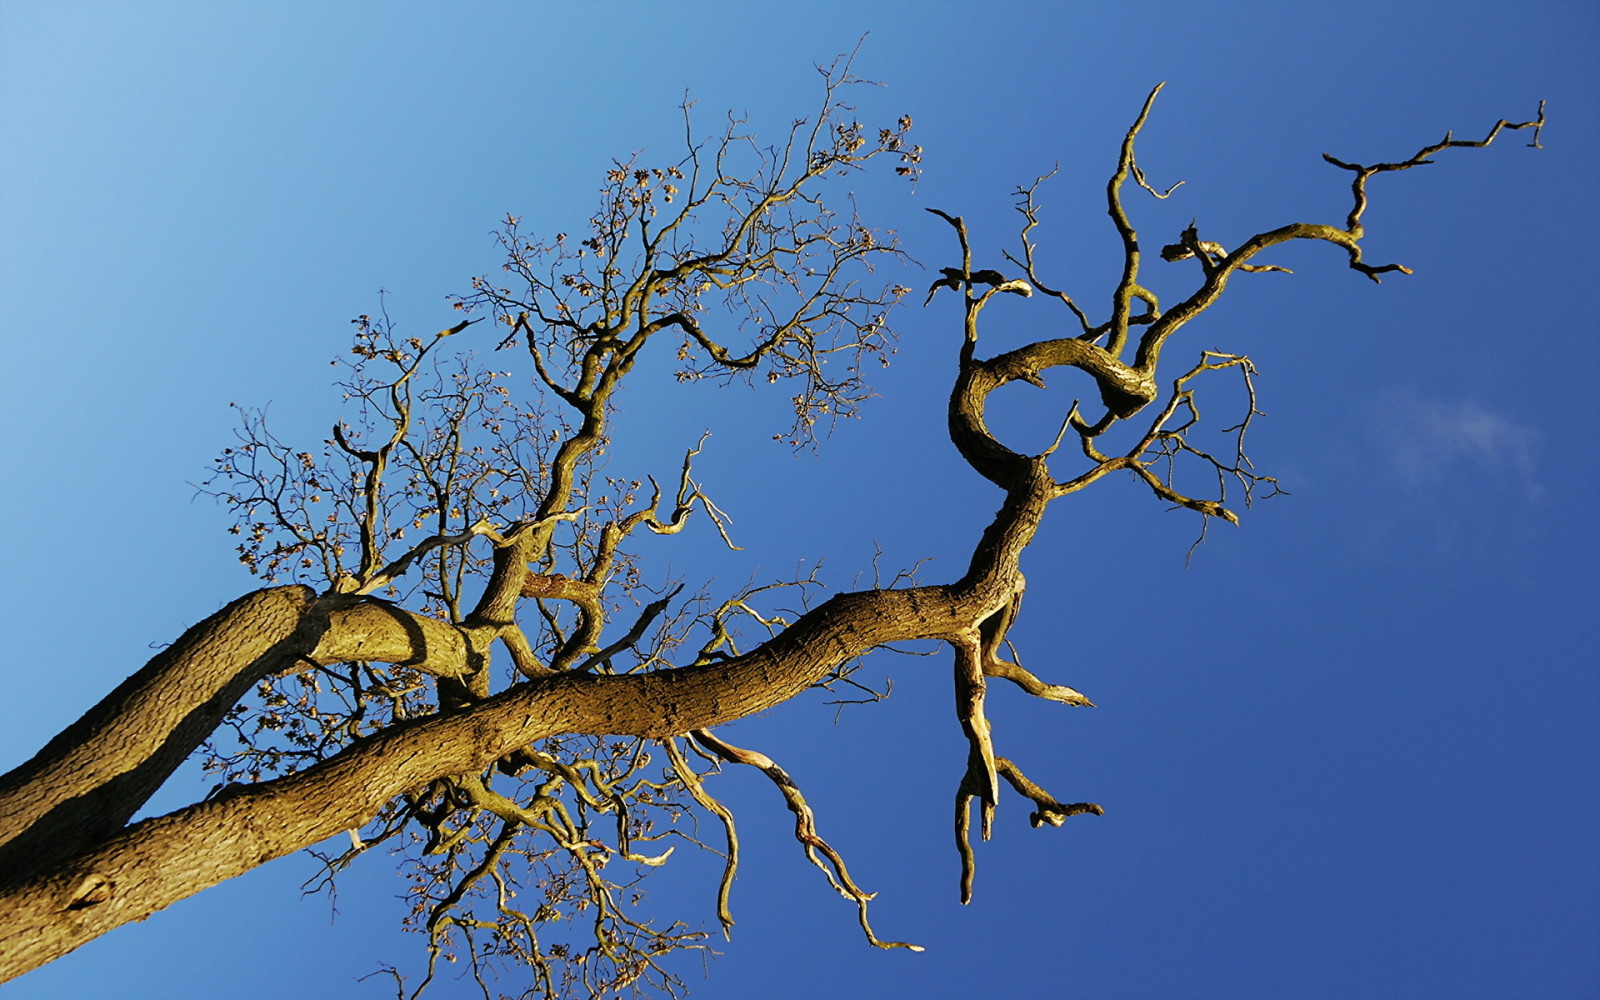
(55, 908)
(89, 781)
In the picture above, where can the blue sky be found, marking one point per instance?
(1352, 750)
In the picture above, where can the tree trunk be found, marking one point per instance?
(88, 782)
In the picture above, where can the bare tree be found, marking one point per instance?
(459, 510)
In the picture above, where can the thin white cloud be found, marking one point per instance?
(1434, 443)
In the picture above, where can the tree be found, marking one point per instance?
(360, 693)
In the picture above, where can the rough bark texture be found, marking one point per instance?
(90, 780)
(159, 861)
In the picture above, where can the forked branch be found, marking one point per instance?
(805, 831)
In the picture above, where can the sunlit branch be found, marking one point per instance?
(805, 830)
(697, 790)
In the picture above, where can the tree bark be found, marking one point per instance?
(108, 878)
(90, 780)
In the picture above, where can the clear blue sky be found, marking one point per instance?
(1353, 750)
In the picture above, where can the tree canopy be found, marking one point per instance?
(472, 669)
(490, 648)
